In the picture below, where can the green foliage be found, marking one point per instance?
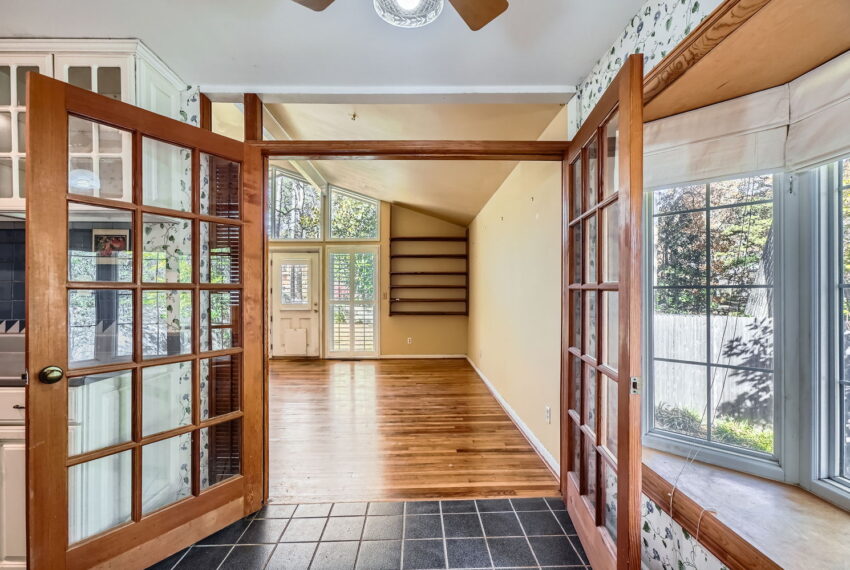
(296, 207)
(352, 217)
(743, 434)
(680, 420)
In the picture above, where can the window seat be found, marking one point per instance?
(759, 523)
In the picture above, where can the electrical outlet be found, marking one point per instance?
(548, 415)
(410, 340)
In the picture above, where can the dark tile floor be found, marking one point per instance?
(425, 535)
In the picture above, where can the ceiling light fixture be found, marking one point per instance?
(409, 13)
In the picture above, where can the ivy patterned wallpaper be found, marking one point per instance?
(654, 31)
(667, 546)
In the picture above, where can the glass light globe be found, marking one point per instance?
(409, 13)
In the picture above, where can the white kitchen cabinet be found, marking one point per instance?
(125, 70)
(13, 541)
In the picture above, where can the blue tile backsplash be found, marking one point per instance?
(12, 281)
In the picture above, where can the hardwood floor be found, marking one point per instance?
(393, 429)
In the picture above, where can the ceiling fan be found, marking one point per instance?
(416, 13)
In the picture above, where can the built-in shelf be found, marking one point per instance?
(429, 262)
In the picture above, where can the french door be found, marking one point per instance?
(352, 301)
(601, 448)
(144, 349)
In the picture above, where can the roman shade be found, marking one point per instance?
(790, 128)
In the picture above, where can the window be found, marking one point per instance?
(295, 284)
(352, 299)
(352, 216)
(295, 211)
(712, 376)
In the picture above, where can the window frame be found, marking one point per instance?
(328, 232)
(724, 455)
(823, 422)
(322, 210)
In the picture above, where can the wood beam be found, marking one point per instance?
(253, 108)
(205, 112)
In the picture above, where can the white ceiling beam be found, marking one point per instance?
(305, 168)
(474, 94)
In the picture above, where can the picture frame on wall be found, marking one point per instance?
(108, 244)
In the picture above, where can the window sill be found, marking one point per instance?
(758, 524)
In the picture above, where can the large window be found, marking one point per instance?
(712, 371)
(295, 211)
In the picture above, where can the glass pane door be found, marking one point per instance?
(136, 340)
(352, 301)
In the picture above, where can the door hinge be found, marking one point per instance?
(26, 377)
(635, 385)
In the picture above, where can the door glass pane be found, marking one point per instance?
(611, 326)
(80, 135)
(109, 82)
(166, 175)
(219, 186)
(220, 386)
(219, 320)
(575, 168)
(166, 397)
(166, 472)
(577, 321)
(111, 178)
(590, 396)
(592, 172)
(5, 131)
(340, 328)
(166, 323)
(611, 243)
(295, 283)
(340, 276)
(100, 327)
(100, 495)
(80, 77)
(590, 458)
(220, 249)
(5, 85)
(99, 244)
(577, 252)
(610, 501)
(221, 452)
(591, 241)
(612, 164)
(22, 82)
(167, 255)
(590, 323)
(5, 177)
(364, 276)
(576, 368)
(22, 177)
(99, 411)
(81, 176)
(364, 328)
(611, 416)
(575, 434)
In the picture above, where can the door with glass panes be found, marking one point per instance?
(144, 354)
(352, 328)
(601, 449)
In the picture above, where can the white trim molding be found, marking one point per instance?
(538, 446)
(423, 356)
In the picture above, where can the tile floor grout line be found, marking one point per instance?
(232, 546)
(403, 530)
(484, 534)
(362, 531)
(278, 543)
(525, 534)
(319, 540)
(567, 534)
(443, 527)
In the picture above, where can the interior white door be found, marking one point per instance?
(352, 301)
(295, 324)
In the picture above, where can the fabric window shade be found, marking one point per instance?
(820, 115)
(743, 135)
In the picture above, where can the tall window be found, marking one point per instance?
(839, 402)
(353, 216)
(712, 314)
(295, 211)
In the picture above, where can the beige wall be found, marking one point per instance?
(515, 294)
(430, 335)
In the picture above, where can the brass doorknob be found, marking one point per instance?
(51, 374)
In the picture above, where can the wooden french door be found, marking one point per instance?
(600, 362)
(144, 349)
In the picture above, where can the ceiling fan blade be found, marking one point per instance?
(479, 13)
(317, 5)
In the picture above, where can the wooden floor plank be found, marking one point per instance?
(393, 429)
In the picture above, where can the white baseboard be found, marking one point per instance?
(423, 356)
(554, 464)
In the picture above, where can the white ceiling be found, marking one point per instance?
(544, 46)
